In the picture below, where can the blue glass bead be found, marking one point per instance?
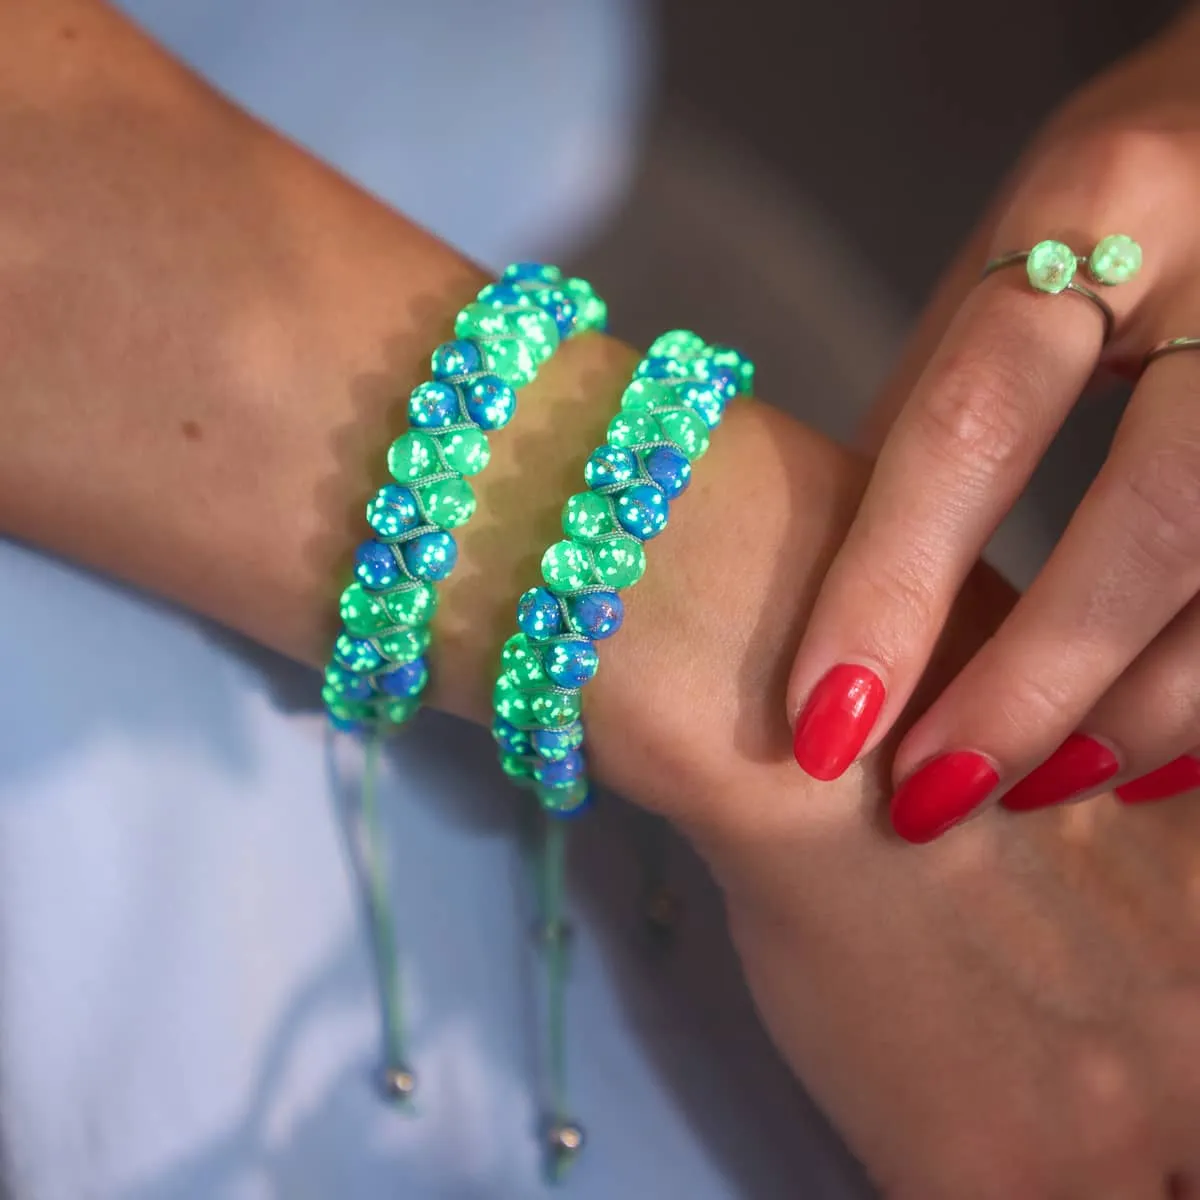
(597, 615)
(357, 654)
(459, 357)
(554, 744)
(347, 684)
(406, 680)
(725, 381)
(503, 295)
(661, 368)
(669, 468)
(642, 511)
(538, 614)
(571, 664)
(430, 556)
(433, 406)
(732, 360)
(509, 737)
(561, 771)
(393, 511)
(705, 400)
(533, 272)
(562, 309)
(609, 465)
(375, 566)
(345, 724)
(491, 402)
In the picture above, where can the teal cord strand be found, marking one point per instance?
(554, 910)
(383, 931)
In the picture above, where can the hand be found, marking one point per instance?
(1095, 676)
(1015, 1016)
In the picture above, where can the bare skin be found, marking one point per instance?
(204, 336)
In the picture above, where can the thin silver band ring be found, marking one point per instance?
(1170, 346)
(1021, 256)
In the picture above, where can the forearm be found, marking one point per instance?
(207, 338)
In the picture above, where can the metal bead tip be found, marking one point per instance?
(399, 1084)
(566, 1139)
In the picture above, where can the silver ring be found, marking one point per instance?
(1170, 346)
(1022, 256)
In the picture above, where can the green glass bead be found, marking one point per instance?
(687, 430)
(510, 702)
(412, 457)
(633, 429)
(346, 710)
(448, 503)
(412, 606)
(564, 800)
(566, 567)
(405, 645)
(620, 562)
(643, 395)
(396, 710)
(678, 343)
(588, 516)
(500, 296)
(1050, 266)
(515, 767)
(551, 710)
(733, 360)
(536, 326)
(336, 682)
(514, 343)
(1116, 259)
(593, 312)
(521, 663)
(363, 615)
(466, 450)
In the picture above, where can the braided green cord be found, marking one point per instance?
(383, 933)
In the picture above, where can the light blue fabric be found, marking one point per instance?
(186, 1006)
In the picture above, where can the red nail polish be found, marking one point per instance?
(835, 722)
(1078, 765)
(942, 793)
(1179, 775)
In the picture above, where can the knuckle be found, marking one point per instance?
(1120, 168)
(1163, 494)
(974, 417)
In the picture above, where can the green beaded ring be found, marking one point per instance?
(378, 672)
(1052, 267)
(676, 399)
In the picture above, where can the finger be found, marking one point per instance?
(1127, 564)
(959, 454)
(1149, 718)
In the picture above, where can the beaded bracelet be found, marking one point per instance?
(378, 670)
(676, 398)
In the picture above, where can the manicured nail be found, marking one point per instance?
(1078, 765)
(1179, 775)
(942, 793)
(834, 724)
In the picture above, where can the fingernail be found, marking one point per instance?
(1078, 765)
(942, 793)
(835, 722)
(1179, 775)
